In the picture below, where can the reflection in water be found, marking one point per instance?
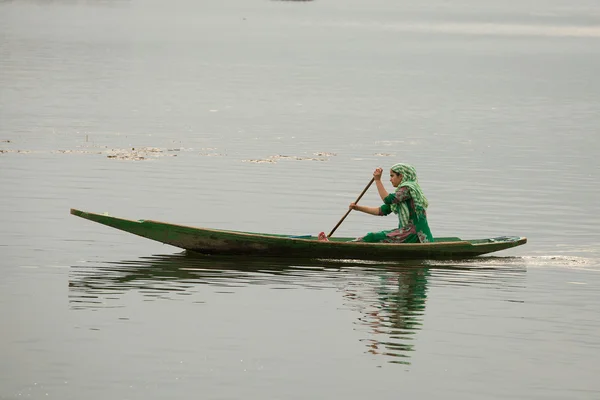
(389, 298)
(164, 275)
(394, 311)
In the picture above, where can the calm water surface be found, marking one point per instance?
(270, 116)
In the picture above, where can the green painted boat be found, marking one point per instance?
(214, 241)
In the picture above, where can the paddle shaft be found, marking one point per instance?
(348, 212)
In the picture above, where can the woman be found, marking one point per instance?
(408, 202)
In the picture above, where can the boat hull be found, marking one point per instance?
(212, 241)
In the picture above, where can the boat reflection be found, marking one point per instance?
(161, 274)
(389, 299)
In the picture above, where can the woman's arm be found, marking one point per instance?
(377, 176)
(382, 192)
(366, 209)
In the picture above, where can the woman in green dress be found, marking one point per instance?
(408, 202)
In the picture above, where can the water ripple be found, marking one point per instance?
(388, 299)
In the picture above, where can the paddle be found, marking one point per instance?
(348, 212)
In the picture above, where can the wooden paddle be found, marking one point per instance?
(348, 212)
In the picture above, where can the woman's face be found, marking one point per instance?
(395, 178)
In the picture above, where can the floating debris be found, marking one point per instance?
(19, 151)
(260, 161)
(383, 155)
(325, 154)
(298, 158)
(144, 153)
(76, 152)
(273, 159)
(132, 153)
(180, 149)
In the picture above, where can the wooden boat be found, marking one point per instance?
(214, 241)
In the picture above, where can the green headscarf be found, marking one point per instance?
(409, 180)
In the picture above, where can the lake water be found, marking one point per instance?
(270, 116)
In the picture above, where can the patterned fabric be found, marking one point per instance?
(408, 234)
(410, 204)
(400, 202)
(410, 181)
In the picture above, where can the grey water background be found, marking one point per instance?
(270, 117)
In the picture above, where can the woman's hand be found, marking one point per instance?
(365, 209)
(377, 174)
